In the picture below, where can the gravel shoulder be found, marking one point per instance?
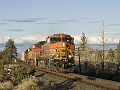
(53, 82)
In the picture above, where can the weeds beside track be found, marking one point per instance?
(109, 85)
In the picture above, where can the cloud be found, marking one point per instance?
(31, 38)
(20, 20)
(3, 23)
(17, 30)
(49, 23)
(20, 46)
(38, 18)
(113, 25)
(111, 37)
(82, 18)
(4, 39)
(23, 43)
(67, 21)
(24, 20)
(93, 22)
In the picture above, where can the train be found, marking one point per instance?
(55, 53)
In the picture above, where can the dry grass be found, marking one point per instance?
(27, 84)
(6, 85)
(31, 83)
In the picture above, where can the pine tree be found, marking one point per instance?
(83, 42)
(118, 53)
(83, 52)
(10, 51)
(84, 48)
(98, 56)
(1, 55)
(110, 55)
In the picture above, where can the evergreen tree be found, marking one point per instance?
(117, 57)
(118, 53)
(1, 55)
(1, 61)
(5, 58)
(84, 48)
(10, 51)
(81, 49)
(110, 55)
(98, 56)
(83, 42)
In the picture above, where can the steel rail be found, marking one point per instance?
(110, 85)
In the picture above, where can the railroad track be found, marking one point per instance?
(109, 85)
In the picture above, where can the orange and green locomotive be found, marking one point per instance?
(55, 53)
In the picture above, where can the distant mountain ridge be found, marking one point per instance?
(99, 46)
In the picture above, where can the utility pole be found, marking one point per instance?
(79, 59)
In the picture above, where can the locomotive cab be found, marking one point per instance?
(61, 50)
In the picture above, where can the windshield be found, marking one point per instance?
(69, 40)
(54, 40)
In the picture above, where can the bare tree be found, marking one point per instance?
(83, 47)
(103, 41)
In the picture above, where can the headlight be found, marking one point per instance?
(57, 55)
(63, 44)
(70, 56)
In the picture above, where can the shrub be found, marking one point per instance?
(101, 74)
(91, 72)
(7, 85)
(28, 84)
(116, 79)
(111, 75)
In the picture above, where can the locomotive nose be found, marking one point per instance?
(67, 45)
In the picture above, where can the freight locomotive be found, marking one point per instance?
(55, 53)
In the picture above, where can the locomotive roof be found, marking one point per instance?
(60, 35)
(40, 42)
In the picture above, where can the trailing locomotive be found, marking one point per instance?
(56, 53)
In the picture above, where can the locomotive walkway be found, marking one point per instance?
(95, 82)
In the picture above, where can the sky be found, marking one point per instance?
(30, 21)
